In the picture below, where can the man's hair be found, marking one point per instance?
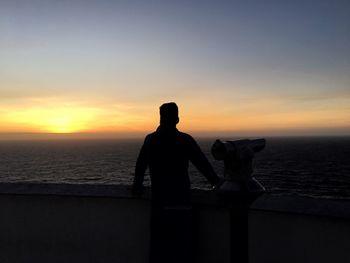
(169, 114)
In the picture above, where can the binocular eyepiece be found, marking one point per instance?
(238, 166)
(220, 150)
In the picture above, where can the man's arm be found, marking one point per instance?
(201, 162)
(141, 167)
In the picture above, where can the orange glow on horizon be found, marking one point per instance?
(63, 119)
(52, 120)
(75, 118)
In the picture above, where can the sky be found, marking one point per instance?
(233, 67)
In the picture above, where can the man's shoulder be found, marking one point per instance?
(186, 136)
(150, 136)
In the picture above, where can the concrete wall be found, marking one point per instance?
(39, 227)
(303, 230)
(96, 223)
(70, 229)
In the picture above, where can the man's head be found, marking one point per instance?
(169, 114)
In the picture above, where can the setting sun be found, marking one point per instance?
(64, 124)
(58, 120)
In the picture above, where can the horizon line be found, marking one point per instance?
(141, 135)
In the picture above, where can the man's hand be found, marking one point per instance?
(218, 184)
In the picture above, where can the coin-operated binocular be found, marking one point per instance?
(238, 166)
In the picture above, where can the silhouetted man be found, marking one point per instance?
(167, 152)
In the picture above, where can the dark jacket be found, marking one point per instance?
(167, 153)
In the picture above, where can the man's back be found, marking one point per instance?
(167, 153)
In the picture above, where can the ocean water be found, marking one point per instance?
(310, 166)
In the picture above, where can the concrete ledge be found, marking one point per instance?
(88, 190)
(200, 197)
(303, 205)
(267, 202)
